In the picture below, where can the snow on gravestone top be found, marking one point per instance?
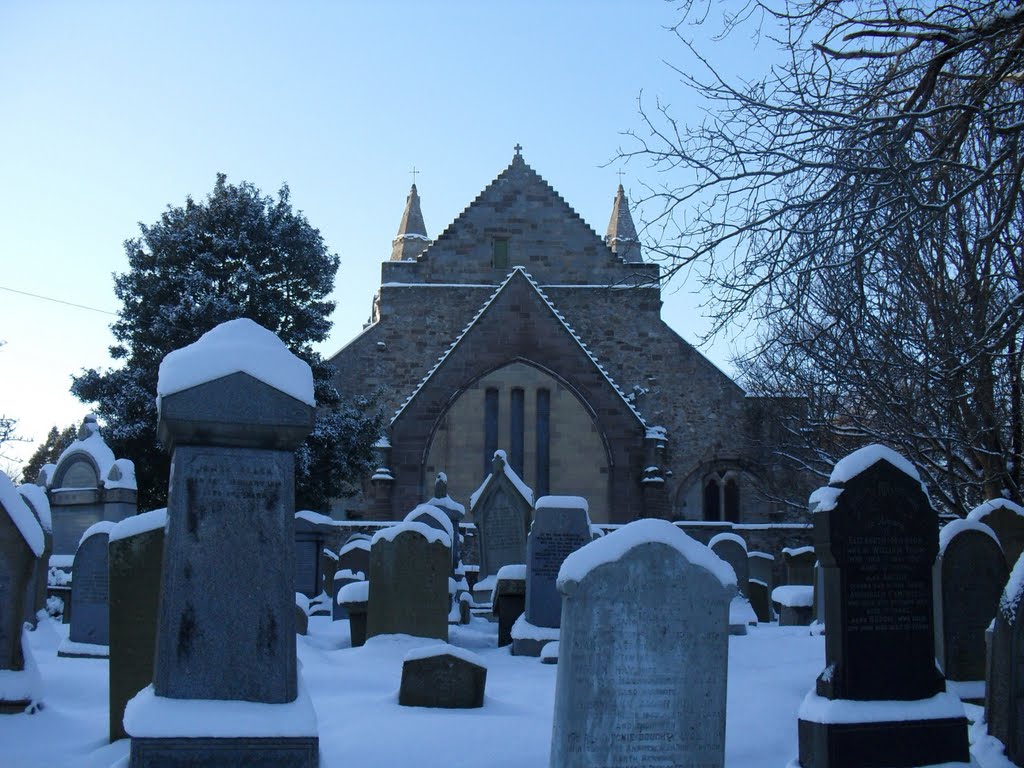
(727, 537)
(315, 517)
(1010, 601)
(237, 346)
(525, 491)
(444, 649)
(356, 592)
(393, 531)
(615, 545)
(847, 468)
(36, 497)
(563, 502)
(121, 475)
(21, 515)
(993, 504)
(136, 524)
(434, 513)
(103, 526)
(89, 441)
(955, 527)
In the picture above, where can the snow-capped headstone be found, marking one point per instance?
(1007, 520)
(442, 676)
(409, 567)
(312, 533)
(136, 552)
(233, 408)
(90, 596)
(760, 584)
(501, 508)
(561, 525)
(509, 600)
(643, 655)
(877, 544)
(35, 596)
(21, 543)
(355, 598)
(438, 519)
(455, 511)
(354, 556)
(970, 576)
(799, 565)
(731, 548)
(1004, 703)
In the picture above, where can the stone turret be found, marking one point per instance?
(412, 238)
(621, 237)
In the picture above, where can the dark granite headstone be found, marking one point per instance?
(876, 536)
(970, 575)
(731, 548)
(760, 600)
(355, 599)
(1007, 520)
(355, 556)
(442, 676)
(35, 598)
(90, 596)
(230, 533)
(643, 655)
(341, 580)
(799, 564)
(438, 519)
(1004, 706)
(312, 533)
(559, 529)
(17, 564)
(136, 554)
(509, 600)
(409, 566)
(502, 515)
(328, 567)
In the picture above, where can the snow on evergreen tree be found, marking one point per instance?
(235, 254)
(48, 451)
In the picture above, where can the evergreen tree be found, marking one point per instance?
(236, 254)
(48, 451)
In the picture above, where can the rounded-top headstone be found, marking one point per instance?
(1007, 520)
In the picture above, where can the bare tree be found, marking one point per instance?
(861, 204)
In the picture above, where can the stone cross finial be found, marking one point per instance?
(518, 148)
(414, 172)
(441, 486)
(621, 174)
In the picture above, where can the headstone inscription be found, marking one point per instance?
(501, 508)
(233, 408)
(876, 536)
(136, 551)
(1004, 705)
(970, 573)
(35, 599)
(409, 566)
(643, 653)
(21, 544)
(90, 596)
(442, 676)
(1007, 520)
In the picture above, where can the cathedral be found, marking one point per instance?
(519, 328)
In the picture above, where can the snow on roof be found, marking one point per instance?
(991, 506)
(512, 572)
(121, 475)
(727, 537)
(524, 490)
(1009, 603)
(850, 466)
(392, 532)
(314, 517)
(563, 502)
(433, 513)
(136, 524)
(444, 649)
(97, 529)
(36, 497)
(237, 346)
(558, 316)
(824, 499)
(21, 515)
(356, 592)
(616, 544)
(956, 527)
(93, 446)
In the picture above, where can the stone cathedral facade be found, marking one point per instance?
(519, 328)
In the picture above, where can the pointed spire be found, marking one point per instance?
(621, 237)
(412, 238)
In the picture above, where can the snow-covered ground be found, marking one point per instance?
(355, 692)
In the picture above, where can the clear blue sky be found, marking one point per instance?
(112, 111)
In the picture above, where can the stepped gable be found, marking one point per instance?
(540, 231)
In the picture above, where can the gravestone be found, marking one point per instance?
(760, 600)
(561, 525)
(1007, 520)
(354, 556)
(455, 512)
(509, 600)
(1004, 704)
(328, 567)
(970, 576)
(35, 599)
(733, 550)
(355, 599)
(436, 518)
(876, 536)
(799, 563)
(21, 544)
(136, 551)
(501, 508)
(442, 676)
(90, 597)
(313, 532)
(409, 566)
(233, 408)
(643, 655)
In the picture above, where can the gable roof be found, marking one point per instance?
(520, 273)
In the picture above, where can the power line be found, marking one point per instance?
(57, 301)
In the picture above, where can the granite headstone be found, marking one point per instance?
(90, 596)
(731, 548)
(1007, 520)
(561, 525)
(799, 565)
(442, 676)
(35, 599)
(501, 508)
(1004, 706)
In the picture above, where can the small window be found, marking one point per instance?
(499, 253)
